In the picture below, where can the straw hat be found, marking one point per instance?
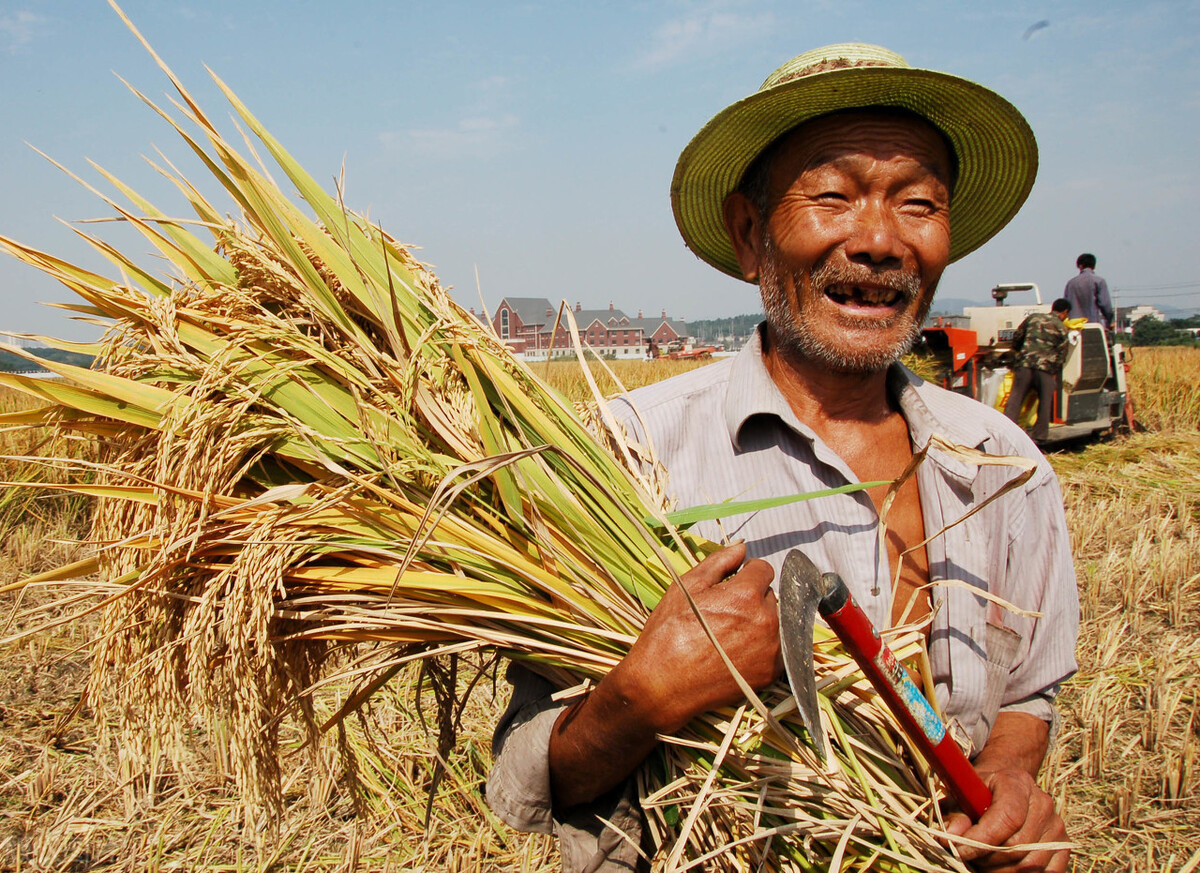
(995, 148)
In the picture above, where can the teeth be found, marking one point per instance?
(871, 296)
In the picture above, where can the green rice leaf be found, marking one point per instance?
(685, 518)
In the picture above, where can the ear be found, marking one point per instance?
(744, 226)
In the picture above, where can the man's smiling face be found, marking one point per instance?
(857, 237)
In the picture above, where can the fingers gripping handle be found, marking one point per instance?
(903, 698)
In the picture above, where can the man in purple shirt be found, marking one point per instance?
(1088, 293)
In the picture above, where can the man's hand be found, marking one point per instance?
(675, 665)
(1021, 813)
(671, 674)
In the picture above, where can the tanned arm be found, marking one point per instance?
(671, 674)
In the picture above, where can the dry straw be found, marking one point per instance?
(309, 448)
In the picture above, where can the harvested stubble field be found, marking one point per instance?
(1124, 769)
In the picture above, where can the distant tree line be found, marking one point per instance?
(733, 331)
(10, 363)
(1151, 331)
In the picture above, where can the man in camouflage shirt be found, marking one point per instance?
(1040, 345)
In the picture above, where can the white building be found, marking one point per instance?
(1132, 316)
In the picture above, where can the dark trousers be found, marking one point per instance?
(1045, 384)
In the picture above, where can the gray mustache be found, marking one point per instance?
(827, 275)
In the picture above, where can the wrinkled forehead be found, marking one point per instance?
(882, 132)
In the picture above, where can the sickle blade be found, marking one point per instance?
(800, 588)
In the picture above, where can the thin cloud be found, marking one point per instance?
(18, 26)
(484, 125)
(493, 83)
(468, 135)
(699, 32)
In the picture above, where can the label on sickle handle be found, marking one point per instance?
(918, 707)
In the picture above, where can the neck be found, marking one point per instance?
(823, 398)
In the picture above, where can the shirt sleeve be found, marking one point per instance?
(1018, 337)
(1040, 557)
(600, 836)
(1103, 301)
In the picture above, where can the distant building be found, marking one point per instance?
(526, 324)
(1131, 316)
(22, 342)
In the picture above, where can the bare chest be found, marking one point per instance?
(884, 455)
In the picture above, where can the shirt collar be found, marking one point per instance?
(751, 391)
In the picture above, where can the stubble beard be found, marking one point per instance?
(795, 329)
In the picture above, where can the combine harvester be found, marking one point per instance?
(677, 350)
(972, 355)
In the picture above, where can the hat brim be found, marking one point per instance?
(995, 148)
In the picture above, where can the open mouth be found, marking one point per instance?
(865, 295)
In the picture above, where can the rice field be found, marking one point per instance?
(1124, 768)
(1127, 761)
(611, 376)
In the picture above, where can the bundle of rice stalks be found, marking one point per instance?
(308, 447)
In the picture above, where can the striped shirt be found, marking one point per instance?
(726, 432)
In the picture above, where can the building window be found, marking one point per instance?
(503, 324)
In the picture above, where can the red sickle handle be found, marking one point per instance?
(903, 698)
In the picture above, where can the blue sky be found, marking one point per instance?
(534, 142)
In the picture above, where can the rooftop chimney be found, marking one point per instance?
(664, 314)
(549, 311)
(578, 306)
(610, 306)
(639, 313)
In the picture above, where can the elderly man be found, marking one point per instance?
(843, 187)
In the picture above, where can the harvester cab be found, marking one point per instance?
(972, 354)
